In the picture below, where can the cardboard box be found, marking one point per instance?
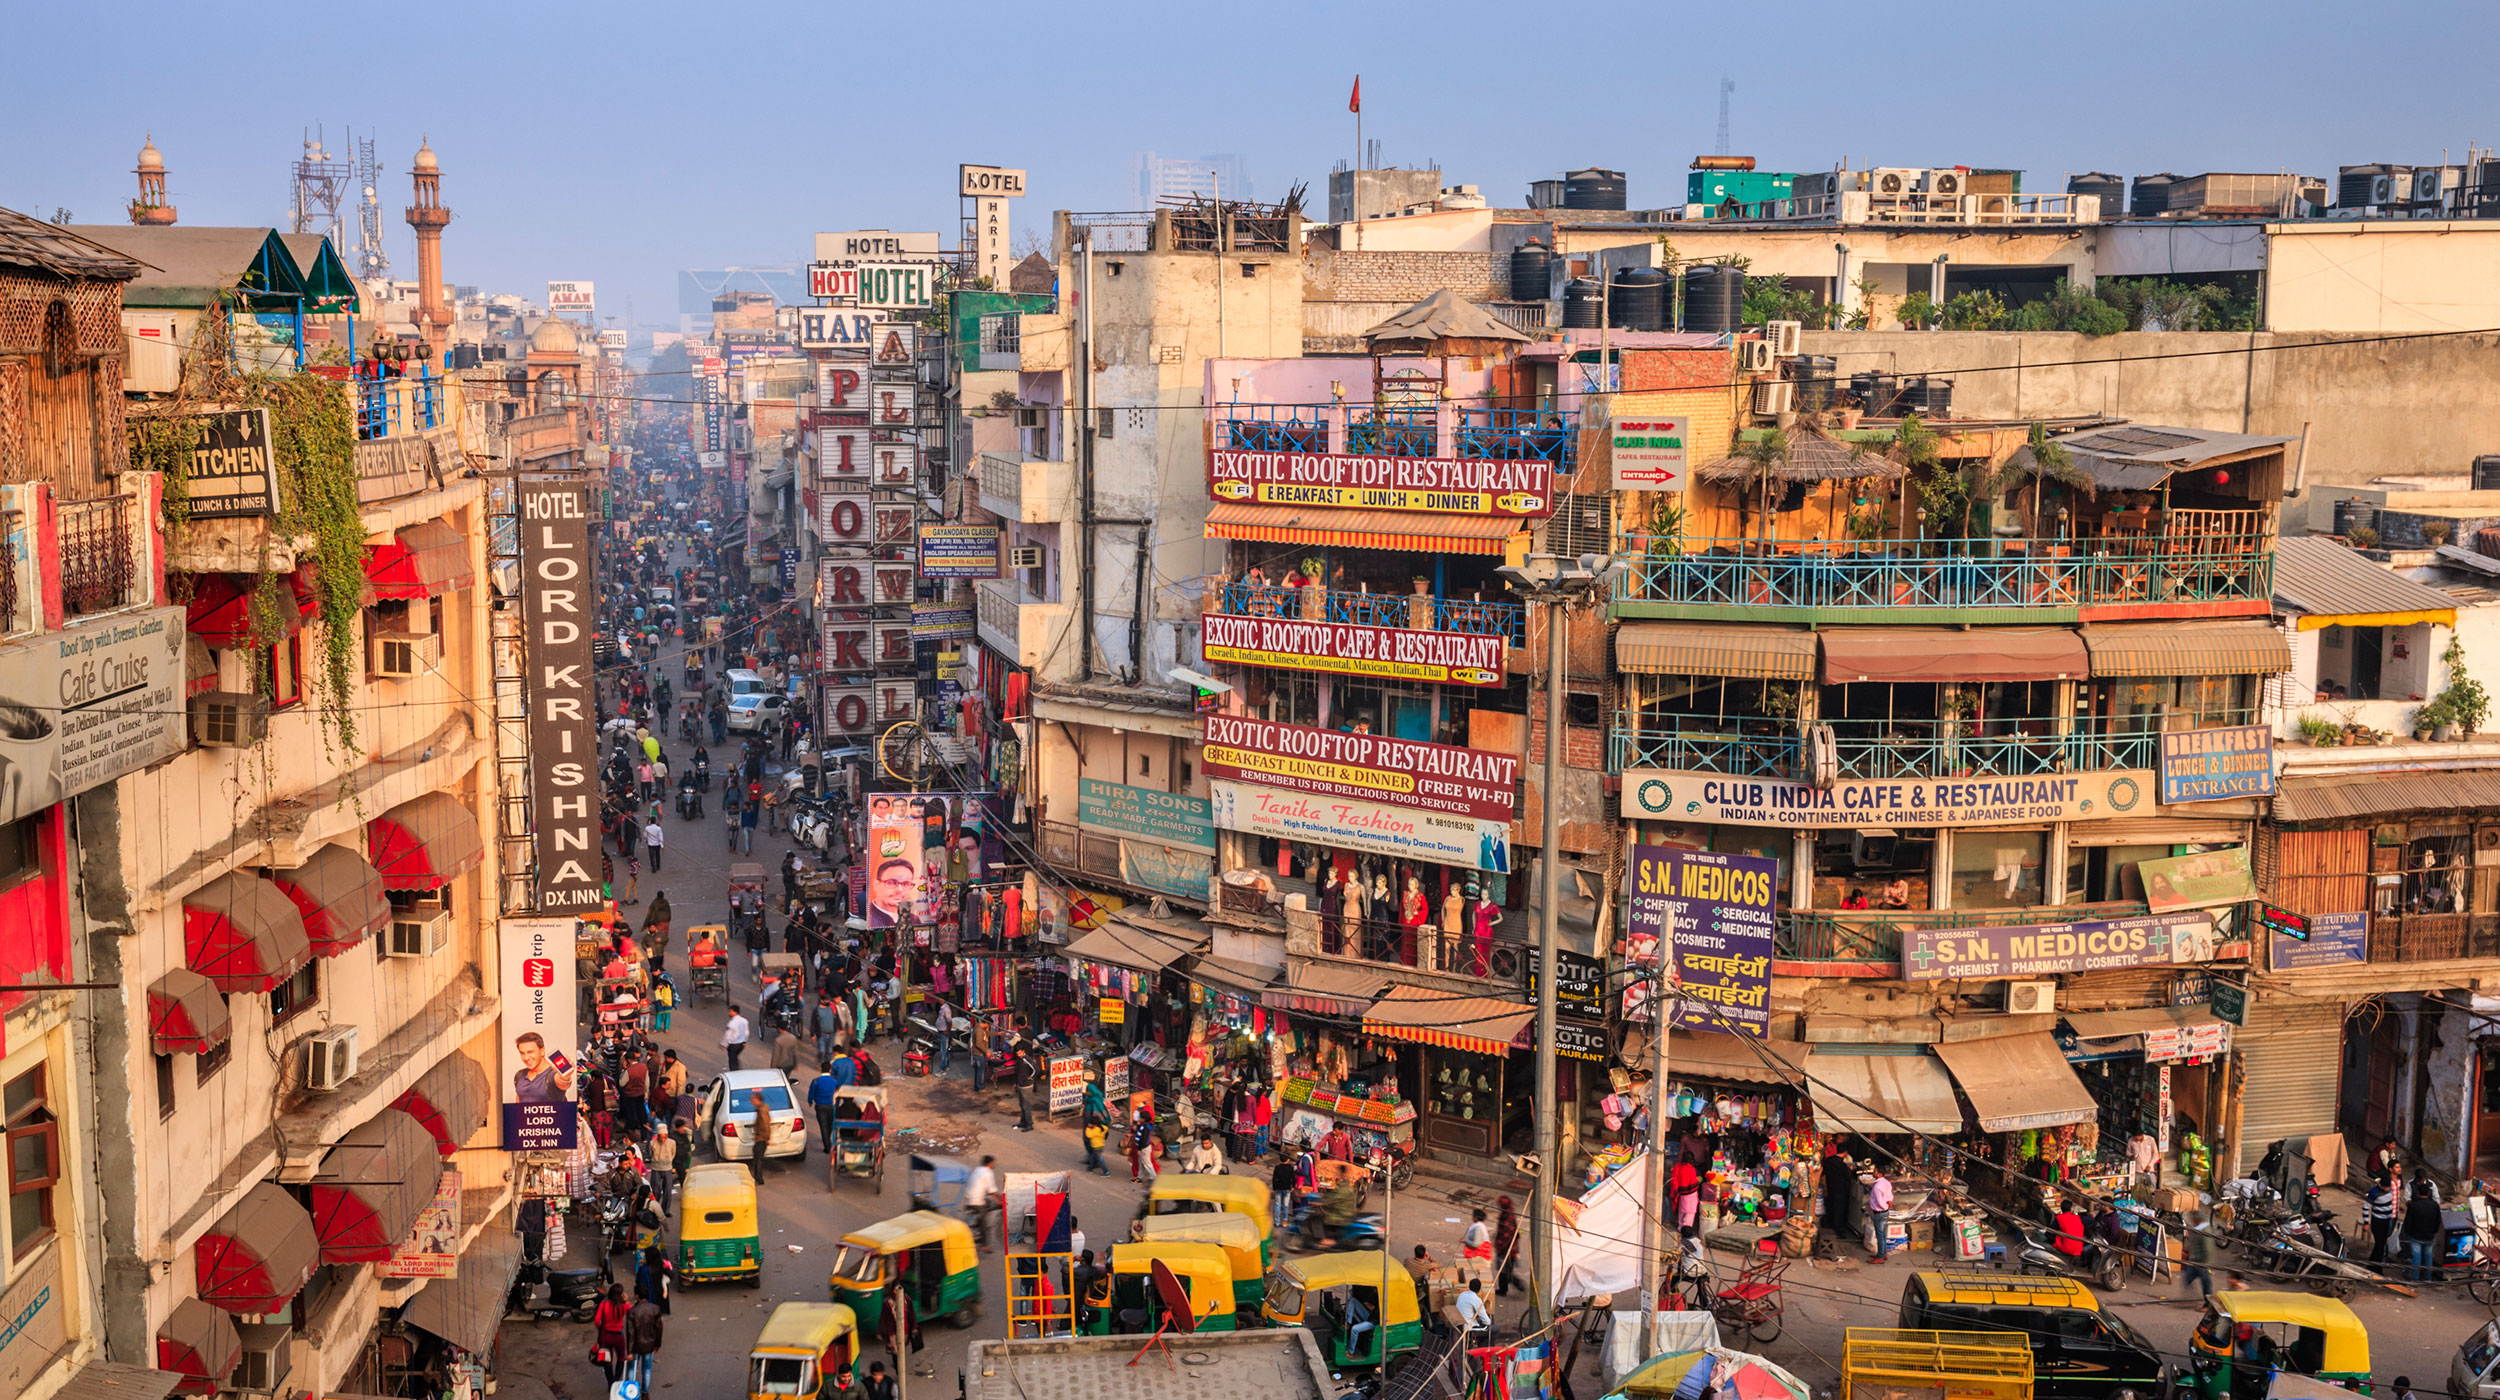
(1922, 1234)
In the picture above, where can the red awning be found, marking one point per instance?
(198, 1343)
(1981, 654)
(186, 1014)
(340, 896)
(425, 560)
(199, 667)
(452, 1101)
(371, 1187)
(220, 611)
(421, 845)
(259, 1254)
(242, 933)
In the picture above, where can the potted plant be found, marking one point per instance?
(2469, 703)
(2318, 732)
(2430, 718)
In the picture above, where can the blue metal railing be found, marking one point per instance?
(1395, 432)
(1275, 428)
(1949, 573)
(1518, 434)
(1704, 744)
(388, 407)
(1496, 619)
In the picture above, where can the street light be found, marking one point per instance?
(1551, 579)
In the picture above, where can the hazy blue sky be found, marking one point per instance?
(620, 142)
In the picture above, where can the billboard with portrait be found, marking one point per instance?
(540, 1035)
(917, 843)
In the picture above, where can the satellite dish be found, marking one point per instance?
(1175, 1295)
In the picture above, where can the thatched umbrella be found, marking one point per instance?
(1807, 455)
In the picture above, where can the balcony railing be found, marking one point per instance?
(1977, 573)
(1482, 618)
(1516, 434)
(100, 554)
(2405, 938)
(1274, 428)
(390, 407)
(1426, 948)
(1697, 744)
(1866, 750)
(1874, 935)
(1395, 432)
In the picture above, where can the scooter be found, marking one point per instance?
(689, 799)
(572, 1294)
(2100, 1263)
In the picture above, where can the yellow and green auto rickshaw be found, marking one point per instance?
(1231, 1231)
(1360, 1307)
(1177, 1193)
(1126, 1300)
(2244, 1339)
(807, 1351)
(717, 1236)
(927, 1255)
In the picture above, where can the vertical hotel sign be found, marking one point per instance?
(556, 602)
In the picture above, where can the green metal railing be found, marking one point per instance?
(1975, 573)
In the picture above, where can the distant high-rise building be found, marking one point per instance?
(1160, 178)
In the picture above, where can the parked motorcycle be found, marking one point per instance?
(2099, 1263)
(572, 1294)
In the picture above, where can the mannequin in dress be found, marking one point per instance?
(1411, 918)
(1355, 906)
(1331, 902)
(1453, 920)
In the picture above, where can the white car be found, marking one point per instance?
(749, 712)
(728, 1114)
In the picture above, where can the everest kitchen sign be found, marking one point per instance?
(1352, 649)
(1461, 487)
(1332, 763)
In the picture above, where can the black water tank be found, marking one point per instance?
(1580, 304)
(1714, 298)
(1531, 272)
(1817, 381)
(2111, 188)
(1928, 396)
(1639, 300)
(2152, 195)
(1595, 189)
(1875, 392)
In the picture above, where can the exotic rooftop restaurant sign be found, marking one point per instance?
(1334, 763)
(1425, 484)
(1347, 648)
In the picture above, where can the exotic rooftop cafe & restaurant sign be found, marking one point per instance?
(1432, 485)
(1353, 649)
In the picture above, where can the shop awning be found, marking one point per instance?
(2018, 1082)
(199, 1346)
(110, 1380)
(2372, 795)
(1127, 945)
(242, 933)
(1239, 978)
(186, 1014)
(199, 667)
(424, 843)
(1881, 1094)
(1481, 1024)
(1361, 529)
(220, 610)
(424, 560)
(259, 1253)
(466, 1309)
(1327, 989)
(1710, 1055)
(1698, 649)
(1925, 654)
(2188, 649)
(371, 1187)
(340, 896)
(2109, 1025)
(451, 1100)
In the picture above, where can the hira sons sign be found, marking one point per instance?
(1426, 484)
(1351, 649)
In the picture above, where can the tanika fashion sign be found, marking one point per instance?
(1399, 832)
(1464, 487)
(556, 600)
(1675, 795)
(1454, 658)
(1333, 763)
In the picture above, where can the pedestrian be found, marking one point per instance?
(820, 1098)
(1206, 1159)
(1097, 1132)
(2201, 1254)
(944, 1023)
(663, 1161)
(1473, 1314)
(2422, 1225)
(607, 1326)
(1475, 1249)
(746, 827)
(980, 1054)
(642, 1339)
(785, 1052)
(1879, 1215)
(1141, 1159)
(733, 1037)
(824, 1024)
(656, 837)
(672, 1079)
(654, 1277)
(1506, 1249)
(980, 1194)
(633, 878)
(879, 1385)
(2404, 1388)
(1280, 1180)
(663, 1001)
(2380, 1204)
(531, 1221)
(1024, 1089)
(1684, 1199)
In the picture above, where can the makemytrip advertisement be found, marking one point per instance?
(1362, 826)
(1352, 649)
(1334, 763)
(1430, 485)
(1708, 916)
(540, 1035)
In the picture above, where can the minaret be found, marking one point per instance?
(427, 216)
(150, 207)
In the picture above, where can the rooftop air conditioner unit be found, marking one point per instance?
(400, 655)
(229, 719)
(1873, 848)
(1772, 397)
(2437, 184)
(1827, 184)
(1895, 183)
(1786, 337)
(1948, 183)
(153, 362)
(330, 1059)
(261, 1366)
(1024, 556)
(418, 933)
(2030, 998)
(1753, 356)
(2394, 187)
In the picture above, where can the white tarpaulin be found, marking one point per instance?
(1690, 1330)
(1597, 1248)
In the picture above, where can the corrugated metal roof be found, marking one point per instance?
(192, 266)
(2138, 456)
(26, 241)
(1705, 649)
(2342, 796)
(1365, 529)
(2317, 577)
(2187, 649)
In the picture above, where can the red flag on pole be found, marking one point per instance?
(1355, 103)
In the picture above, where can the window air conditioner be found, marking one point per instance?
(1774, 396)
(400, 654)
(418, 933)
(229, 719)
(1024, 556)
(2030, 998)
(1787, 337)
(1753, 356)
(330, 1059)
(261, 1367)
(1873, 849)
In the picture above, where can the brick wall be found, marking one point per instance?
(1331, 275)
(1677, 369)
(1584, 746)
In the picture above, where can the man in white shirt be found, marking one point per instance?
(1472, 1312)
(733, 1037)
(980, 1192)
(654, 836)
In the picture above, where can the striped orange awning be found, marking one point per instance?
(1362, 529)
(1482, 1024)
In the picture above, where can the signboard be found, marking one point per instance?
(895, 345)
(432, 1248)
(233, 472)
(1521, 489)
(1110, 1011)
(909, 834)
(845, 645)
(894, 583)
(1172, 818)
(1651, 454)
(896, 464)
(980, 180)
(567, 298)
(1578, 1040)
(540, 1034)
(1675, 795)
(1363, 826)
(867, 243)
(2272, 920)
(82, 706)
(2036, 950)
(2231, 1003)
(1352, 649)
(1579, 982)
(557, 604)
(2201, 1041)
(842, 520)
(1168, 870)
(2333, 939)
(848, 710)
(893, 405)
(37, 1330)
(842, 390)
(2208, 765)
(908, 286)
(959, 551)
(1334, 763)
(1707, 915)
(2205, 880)
(938, 621)
(1067, 1083)
(837, 327)
(830, 282)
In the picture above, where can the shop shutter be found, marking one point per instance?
(2291, 1052)
(2159, 831)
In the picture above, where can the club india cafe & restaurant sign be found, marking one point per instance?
(1674, 795)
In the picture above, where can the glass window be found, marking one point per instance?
(742, 1101)
(1999, 869)
(34, 1162)
(2438, 875)
(296, 992)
